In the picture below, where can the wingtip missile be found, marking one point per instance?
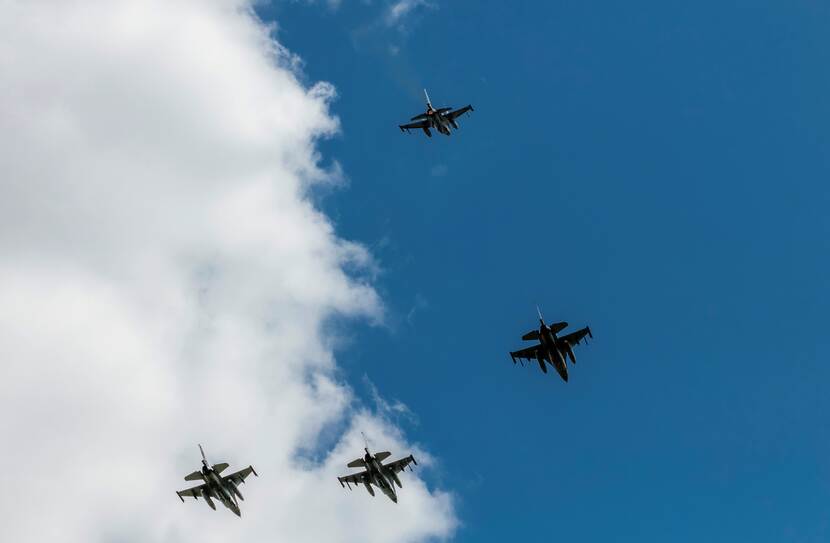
(180, 497)
(339, 480)
(253, 471)
(413, 460)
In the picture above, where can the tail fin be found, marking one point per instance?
(358, 463)
(558, 327)
(381, 456)
(195, 476)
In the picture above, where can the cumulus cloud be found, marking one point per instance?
(165, 280)
(399, 9)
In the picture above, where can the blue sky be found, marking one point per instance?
(657, 170)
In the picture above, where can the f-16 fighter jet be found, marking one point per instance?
(551, 348)
(440, 119)
(377, 473)
(215, 486)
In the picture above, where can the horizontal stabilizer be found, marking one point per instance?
(558, 327)
(419, 117)
(533, 335)
(359, 463)
(219, 468)
(381, 456)
(195, 476)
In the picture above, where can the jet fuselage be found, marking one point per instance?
(439, 121)
(219, 490)
(550, 342)
(380, 478)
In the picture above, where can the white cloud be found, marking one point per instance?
(399, 9)
(392, 410)
(439, 170)
(333, 5)
(164, 280)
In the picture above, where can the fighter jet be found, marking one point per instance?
(551, 348)
(377, 473)
(440, 119)
(215, 486)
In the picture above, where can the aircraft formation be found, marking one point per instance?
(549, 348)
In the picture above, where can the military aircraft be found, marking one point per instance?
(215, 486)
(551, 348)
(377, 473)
(440, 119)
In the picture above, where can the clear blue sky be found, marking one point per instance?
(658, 170)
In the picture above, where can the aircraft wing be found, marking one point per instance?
(398, 465)
(574, 338)
(458, 112)
(414, 126)
(219, 468)
(354, 478)
(528, 353)
(194, 492)
(239, 476)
